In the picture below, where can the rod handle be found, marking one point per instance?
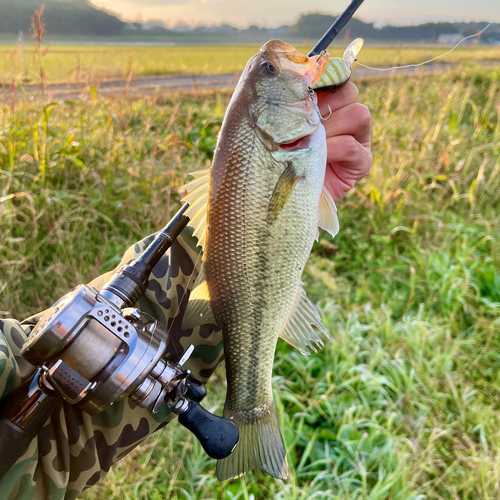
(22, 414)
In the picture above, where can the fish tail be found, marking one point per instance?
(260, 447)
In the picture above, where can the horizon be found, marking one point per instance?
(243, 13)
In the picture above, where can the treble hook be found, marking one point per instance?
(315, 104)
(329, 116)
(312, 123)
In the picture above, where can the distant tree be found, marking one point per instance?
(314, 25)
(69, 17)
(491, 38)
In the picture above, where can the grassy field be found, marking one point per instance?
(404, 403)
(97, 63)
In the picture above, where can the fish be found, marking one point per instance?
(256, 214)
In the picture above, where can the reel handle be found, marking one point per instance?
(195, 390)
(217, 435)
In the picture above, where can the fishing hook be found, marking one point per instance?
(329, 116)
(314, 124)
(315, 104)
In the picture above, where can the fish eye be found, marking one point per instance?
(268, 68)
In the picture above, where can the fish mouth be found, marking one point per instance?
(296, 145)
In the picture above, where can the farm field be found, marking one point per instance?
(403, 403)
(81, 64)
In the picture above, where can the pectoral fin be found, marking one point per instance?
(199, 309)
(282, 191)
(304, 326)
(327, 216)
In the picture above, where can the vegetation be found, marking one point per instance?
(80, 17)
(403, 403)
(314, 25)
(93, 64)
(68, 17)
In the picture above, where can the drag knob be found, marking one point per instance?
(217, 435)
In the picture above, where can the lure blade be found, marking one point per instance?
(352, 51)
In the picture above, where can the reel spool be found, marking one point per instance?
(95, 354)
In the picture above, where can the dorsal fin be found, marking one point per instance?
(197, 198)
(299, 329)
(327, 213)
(199, 310)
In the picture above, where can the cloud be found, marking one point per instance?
(266, 13)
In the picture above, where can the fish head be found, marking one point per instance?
(282, 106)
(285, 74)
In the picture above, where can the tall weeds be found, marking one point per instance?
(402, 404)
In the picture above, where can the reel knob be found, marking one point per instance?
(217, 435)
(195, 390)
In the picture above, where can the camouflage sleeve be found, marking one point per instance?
(75, 450)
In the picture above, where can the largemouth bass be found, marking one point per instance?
(256, 214)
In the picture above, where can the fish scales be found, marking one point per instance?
(264, 201)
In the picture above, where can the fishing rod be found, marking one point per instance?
(93, 348)
(335, 28)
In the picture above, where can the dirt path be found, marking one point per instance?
(148, 86)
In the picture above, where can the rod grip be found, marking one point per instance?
(14, 442)
(217, 435)
(22, 414)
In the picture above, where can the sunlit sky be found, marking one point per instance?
(273, 13)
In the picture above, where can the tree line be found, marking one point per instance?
(80, 17)
(70, 17)
(314, 25)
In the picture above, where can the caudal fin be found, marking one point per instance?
(260, 447)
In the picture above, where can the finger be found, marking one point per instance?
(350, 159)
(348, 162)
(347, 94)
(335, 184)
(353, 119)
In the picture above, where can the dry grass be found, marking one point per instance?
(403, 404)
(93, 63)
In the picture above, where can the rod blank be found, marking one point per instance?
(335, 28)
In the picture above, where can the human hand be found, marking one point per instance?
(349, 156)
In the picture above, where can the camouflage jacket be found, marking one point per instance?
(75, 450)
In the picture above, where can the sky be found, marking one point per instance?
(274, 13)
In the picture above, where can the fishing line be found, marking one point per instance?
(430, 60)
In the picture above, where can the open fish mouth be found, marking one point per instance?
(299, 144)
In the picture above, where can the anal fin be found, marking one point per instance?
(303, 327)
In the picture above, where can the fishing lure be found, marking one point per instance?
(337, 70)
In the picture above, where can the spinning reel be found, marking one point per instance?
(93, 349)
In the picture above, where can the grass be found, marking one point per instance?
(96, 63)
(403, 403)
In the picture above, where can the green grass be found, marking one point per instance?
(403, 403)
(84, 64)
